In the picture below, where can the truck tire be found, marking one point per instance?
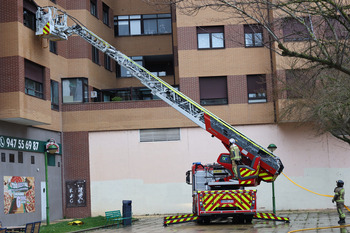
(248, 219)
(238, 219)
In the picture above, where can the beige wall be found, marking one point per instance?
(16, 105)
(237, 61)
(160, 117)
(157, 169)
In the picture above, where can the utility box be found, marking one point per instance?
(127, 214)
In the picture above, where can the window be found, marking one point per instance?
(12, 158)
(54, 1)
(210, 37)
(54, 95)
(159, 65)
(75, 90)
(129, 25)
(93, 7)
(29, 10)
(32, 159)
(128, 94)
(33, 88)
(213, 90)
(123, 72)
(159, 135)
(53, 46)
(105, 14)
(34, 76)
(95, 55)
(253, 35)
(256, 88)
(3, 157)
(336, 28)
(293, 30)
(20, 157)
(107, 62)
(98, 97)
(300, 82)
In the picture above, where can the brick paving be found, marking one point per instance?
(298, 220)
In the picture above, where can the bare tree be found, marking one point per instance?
(315, 33)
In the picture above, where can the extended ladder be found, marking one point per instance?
(52, 24)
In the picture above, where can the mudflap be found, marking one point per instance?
(270, 216)
(179, 219)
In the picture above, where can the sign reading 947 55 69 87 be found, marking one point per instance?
(21, 144)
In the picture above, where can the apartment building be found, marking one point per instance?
(118, 141)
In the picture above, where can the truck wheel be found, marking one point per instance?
(238, 219)
(203, 221)
(248, 219)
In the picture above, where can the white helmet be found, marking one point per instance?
(232, 140)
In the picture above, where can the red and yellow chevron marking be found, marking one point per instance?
(179, 220)
(46, 29)
(215, 199)
(247, 172)
(270, 216)
(179, 216)
(266, 176)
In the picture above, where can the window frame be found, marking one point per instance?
(139, 22)
(95, 55)
(211, 32)
(253, 30)
(20, 157)
(53, 47)
(29, 11)
(33, 79)
(254, 96)
(107, 62)
(55, 98)
(84, 90)
(105, 14)
(289, 23)
(209, 86)
(160, 135)
(12, 158)
(37, 91)
(93, 8)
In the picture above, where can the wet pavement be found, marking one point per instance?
(298, 220)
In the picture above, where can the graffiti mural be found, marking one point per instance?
(19, 194)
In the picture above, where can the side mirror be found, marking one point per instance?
(188, 178)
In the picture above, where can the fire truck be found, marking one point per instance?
(215, 193)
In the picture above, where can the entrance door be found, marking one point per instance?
(43, 201)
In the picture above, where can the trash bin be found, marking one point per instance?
(127, 214)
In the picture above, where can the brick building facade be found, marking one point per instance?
(120, 142)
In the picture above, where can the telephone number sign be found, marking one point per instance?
(21, 144)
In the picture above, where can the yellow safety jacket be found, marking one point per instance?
(234, 152)
(339, 194)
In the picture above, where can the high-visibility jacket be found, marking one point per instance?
(339, 194)
(234, 152)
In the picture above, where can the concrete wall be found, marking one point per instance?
(152, 174)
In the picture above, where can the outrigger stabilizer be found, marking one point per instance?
(192, 217)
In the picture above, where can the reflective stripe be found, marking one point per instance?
(46, 29)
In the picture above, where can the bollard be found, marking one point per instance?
(127, 214)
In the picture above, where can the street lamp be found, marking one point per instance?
(272, 147)
(52, 148)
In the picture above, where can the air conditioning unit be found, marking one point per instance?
(93, 94)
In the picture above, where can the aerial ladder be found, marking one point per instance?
(258, 163)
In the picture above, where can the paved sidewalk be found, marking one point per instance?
(298, 220)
